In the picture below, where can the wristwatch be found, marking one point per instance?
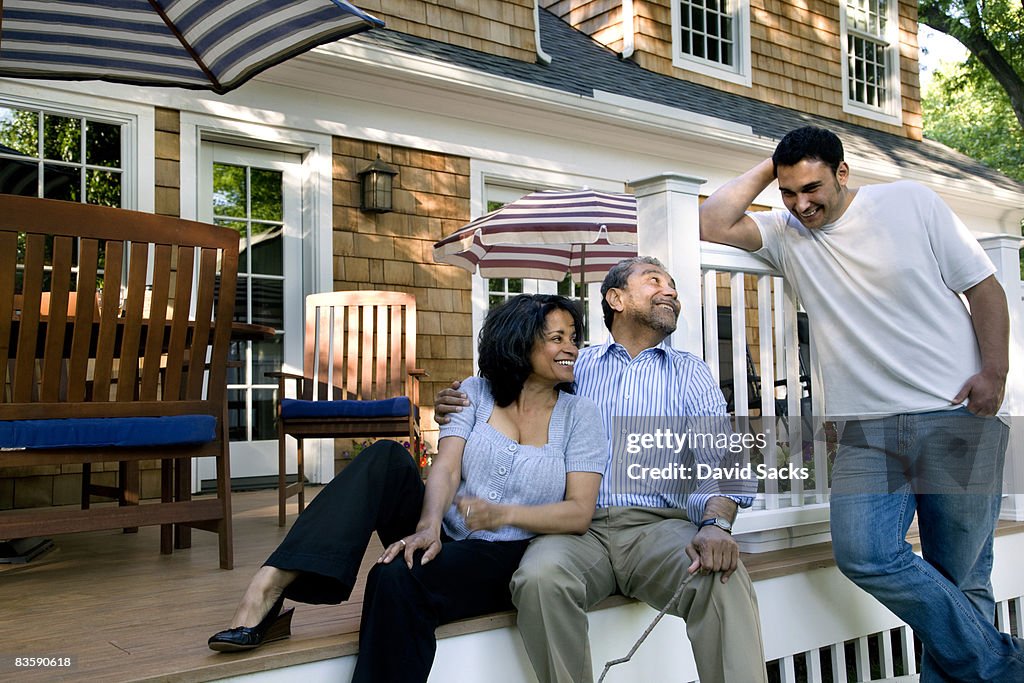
(721, 522)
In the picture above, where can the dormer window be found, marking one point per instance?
(712, 37)
(870, 50)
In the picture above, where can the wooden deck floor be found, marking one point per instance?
(122, 612)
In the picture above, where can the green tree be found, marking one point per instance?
(974, 116)
(993, 32)
(978, 107)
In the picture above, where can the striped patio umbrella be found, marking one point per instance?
(202, 44)
(546, 235)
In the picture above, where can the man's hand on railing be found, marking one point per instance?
(449, 400)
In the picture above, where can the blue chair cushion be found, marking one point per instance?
(389, 407)
(118, 432)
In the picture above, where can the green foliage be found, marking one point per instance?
(233, 187)
(972, 114)
(67, 145)
(978, 107)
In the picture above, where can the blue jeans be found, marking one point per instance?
(946, 467)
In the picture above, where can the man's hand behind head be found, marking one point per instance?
(449, 400)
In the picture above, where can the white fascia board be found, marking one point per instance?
(693, 118)
(605, 107)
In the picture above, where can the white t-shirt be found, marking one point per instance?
(880, 287)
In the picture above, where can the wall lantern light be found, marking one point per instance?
(375, 187)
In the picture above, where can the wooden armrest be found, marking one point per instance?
(284, 375)
(419, 372)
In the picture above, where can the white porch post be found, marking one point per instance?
(668, 229)
(1004, 250)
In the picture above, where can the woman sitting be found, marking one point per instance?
(524, 458)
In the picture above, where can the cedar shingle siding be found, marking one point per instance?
(394, 251)
(498, 27)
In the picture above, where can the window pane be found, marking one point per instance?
(61, 182)
(268, 302)
(103, 144)
(515, 286)
(19, 177)
(267, 356)
(19, 131)
(241, 228)
(103, 188)
(267, 244)
(267, 202)
(62, 138)
(495, 285)
(698, 20)
(236, 356)
(684, 44)
(570, 289)
(237, 427)
(263, 425)
(242, 299)
(229, 190)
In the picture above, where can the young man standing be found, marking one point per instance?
(913, 375)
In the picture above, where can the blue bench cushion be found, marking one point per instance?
(108, 432)
(389, 407)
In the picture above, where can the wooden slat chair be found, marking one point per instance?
(117, 383)
(359, 377)
(127, 490)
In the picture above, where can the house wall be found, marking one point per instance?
(499, 27)
(795, 52)
(394, 251)
(167, 164)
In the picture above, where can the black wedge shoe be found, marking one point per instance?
(275, 626)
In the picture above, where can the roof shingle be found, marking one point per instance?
(580, 66)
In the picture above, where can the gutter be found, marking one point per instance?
(542, 57)
(628, 30)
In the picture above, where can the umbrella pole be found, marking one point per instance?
(584, 336)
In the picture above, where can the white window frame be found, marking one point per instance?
(317, 220)
(740, 72)
(138, 180)
(892, 112)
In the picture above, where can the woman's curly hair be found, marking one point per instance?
(507, 339)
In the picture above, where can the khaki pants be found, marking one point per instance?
(639, 553)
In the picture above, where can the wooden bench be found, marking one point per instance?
(140, 376)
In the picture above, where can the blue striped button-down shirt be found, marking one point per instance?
(648, 404)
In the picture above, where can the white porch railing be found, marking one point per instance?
(788, 511)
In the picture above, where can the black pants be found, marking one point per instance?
(381, 490)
